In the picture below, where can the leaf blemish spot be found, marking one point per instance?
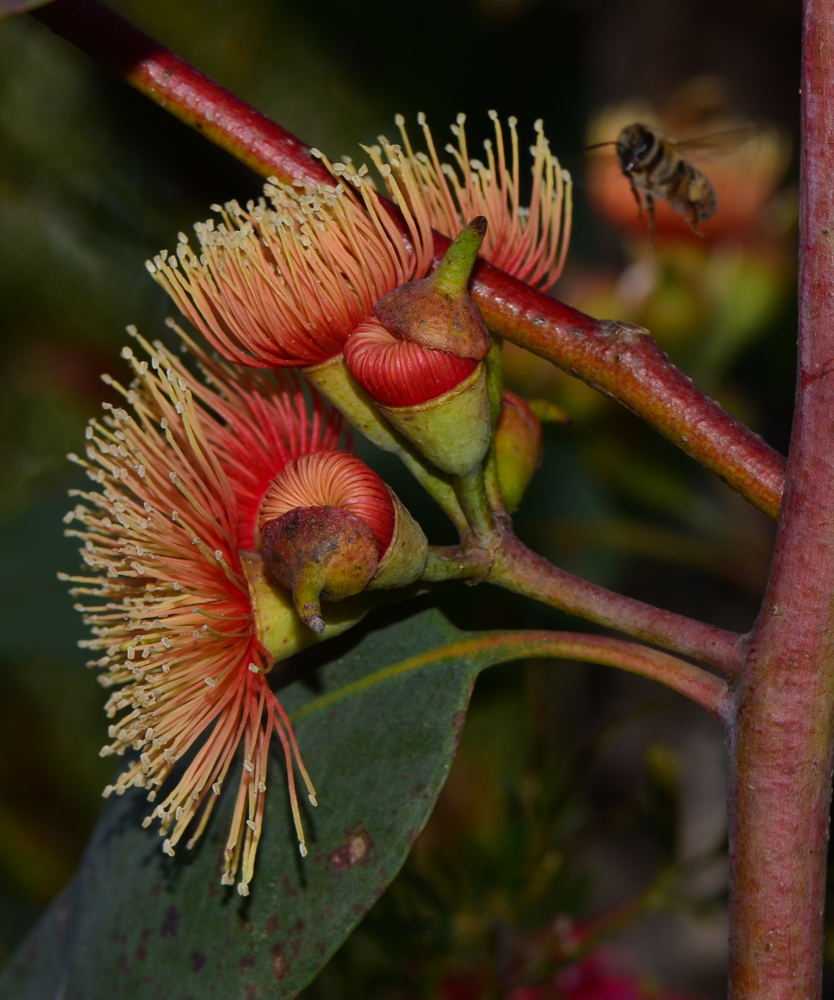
(171, 924)
(279, 964)
(356, 849)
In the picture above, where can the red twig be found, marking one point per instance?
(619, 360)
(782, 737)
(519, 569)
(692, 682)
(183, 90)
(625, 363)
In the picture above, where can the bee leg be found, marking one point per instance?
(691, 215)
(636, 192)
(650, 213)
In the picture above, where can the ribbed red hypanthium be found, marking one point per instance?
(332, 479)
(398, 372)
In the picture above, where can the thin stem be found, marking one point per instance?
(495, 383)
(782, 736)
(471, 493)
(700, 686)
(451, 562)
(620, 360)
(519, 569)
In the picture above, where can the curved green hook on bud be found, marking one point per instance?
(437, 312)
(453, 272)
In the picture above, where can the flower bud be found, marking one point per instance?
(279, 629)
(437, 312)
(437, 401)
(332, 378)
(320, 553)
(331, 527)
(399, 372)
(451, 431)
(518, 448)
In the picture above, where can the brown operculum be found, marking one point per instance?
(320, 553)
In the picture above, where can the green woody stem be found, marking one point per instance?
(451, 562)
(471, 493)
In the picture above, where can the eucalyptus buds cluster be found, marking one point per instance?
(326, 280)
(232, 517)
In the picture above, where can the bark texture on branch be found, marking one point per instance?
(782, 737)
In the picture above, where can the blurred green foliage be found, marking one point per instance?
(494, 896)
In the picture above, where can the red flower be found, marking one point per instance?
(167, 596)
(257, 424)
(332, 479)
(284, 283)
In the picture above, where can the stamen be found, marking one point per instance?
(285, 285)
(530, 243)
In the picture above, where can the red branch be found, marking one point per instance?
(619, 360)
(625, 363)
(782, 737)
(705, 689)
(178, 87)
(519, 569)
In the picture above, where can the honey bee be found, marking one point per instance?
(655, 167)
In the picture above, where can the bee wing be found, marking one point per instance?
(725, 142)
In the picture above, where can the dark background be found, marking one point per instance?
(94, 179)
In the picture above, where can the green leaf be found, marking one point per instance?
(378, 729)
(9, 7)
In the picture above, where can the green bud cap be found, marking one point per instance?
(407, 553)
(279, 629)
(334, 381)
(320, 553)
(437, 312)
(451, 431)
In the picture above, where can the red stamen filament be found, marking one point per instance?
(399, 372)
(332, 479)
